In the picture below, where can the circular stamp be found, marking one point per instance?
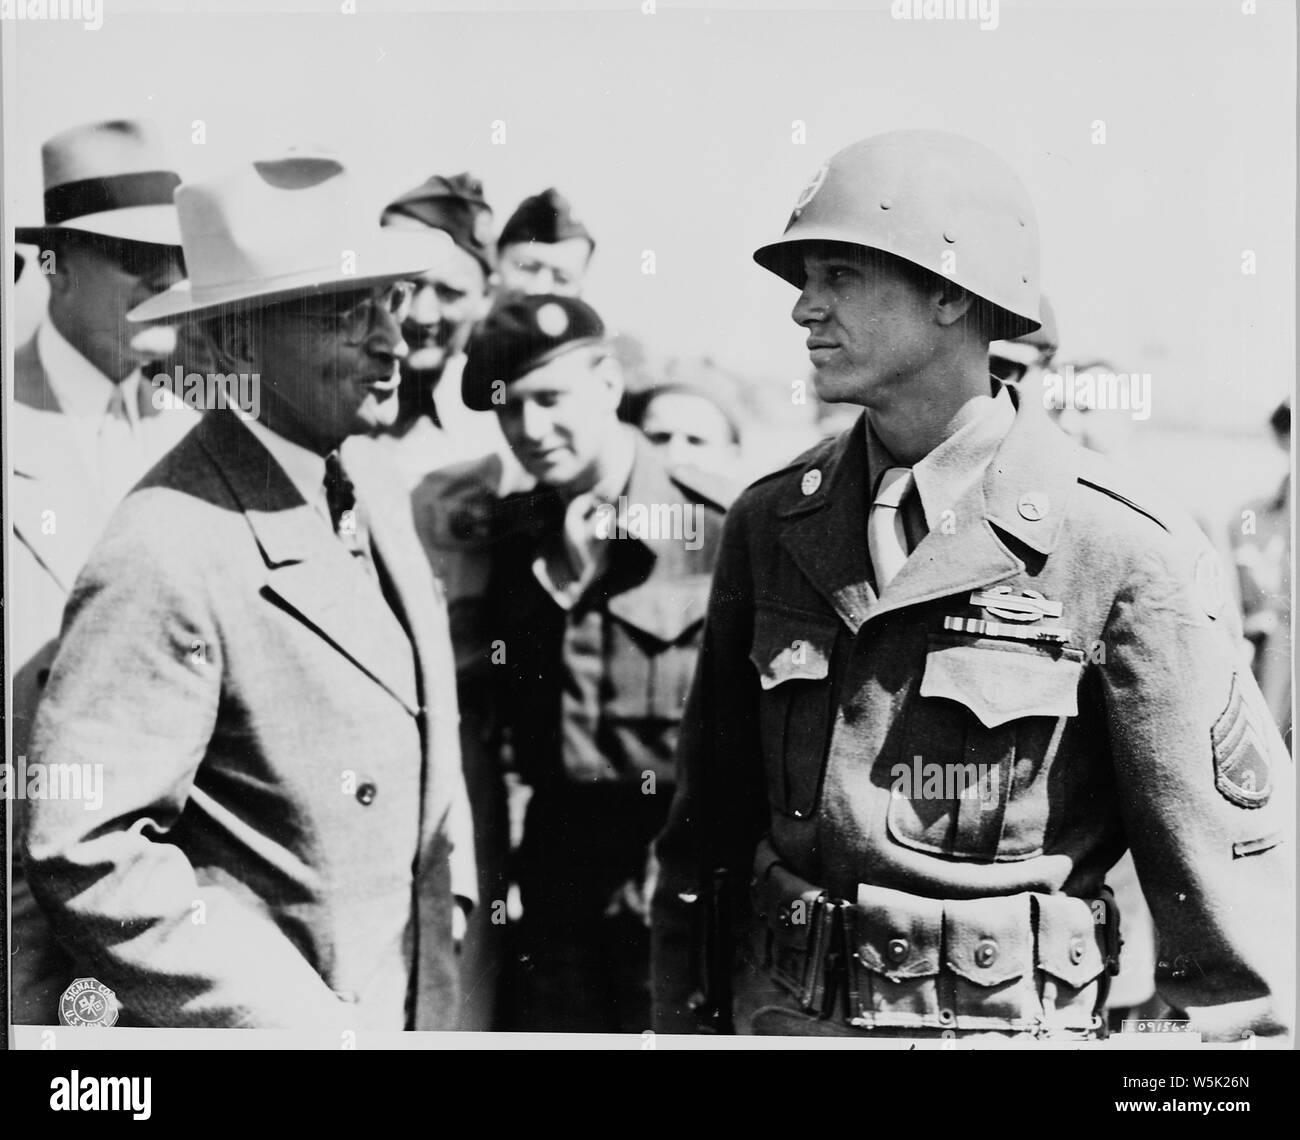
(88, 1003)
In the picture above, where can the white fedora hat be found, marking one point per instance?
(112, 179)
(276, 229)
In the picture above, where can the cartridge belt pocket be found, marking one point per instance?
(1027, 963)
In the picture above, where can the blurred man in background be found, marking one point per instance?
(1260, 534)
(693, 426)
(84, 423)
(545, 248)
(433, 427)
(1023, 361)
(578, 658)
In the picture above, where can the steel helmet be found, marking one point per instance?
(938, 200)
(1041, 344)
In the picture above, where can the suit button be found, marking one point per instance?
(986, 953)
(366, 793)
(1076, 951)
(897, 950)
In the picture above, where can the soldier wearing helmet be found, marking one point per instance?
(953, 667)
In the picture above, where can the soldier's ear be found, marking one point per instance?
(610, 372)
(950, 302)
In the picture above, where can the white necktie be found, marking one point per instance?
(119, 458)
(886, 538)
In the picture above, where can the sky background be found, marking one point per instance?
(673, 132)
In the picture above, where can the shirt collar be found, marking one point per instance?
(80, 388)
(306, 469)
(948, 472)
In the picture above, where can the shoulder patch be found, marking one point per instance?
(1241, 766)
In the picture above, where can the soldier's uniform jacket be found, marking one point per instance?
(1125, 718)
(596, 692)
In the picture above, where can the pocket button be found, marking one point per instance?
(897, 950)
(1076, 951)
(986, 953)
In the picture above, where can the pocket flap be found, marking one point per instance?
(897, 934)
(1000, 685)
(1068, 939)
(791, 647)
(665, 610)
(988, 941)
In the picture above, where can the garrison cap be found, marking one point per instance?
(547, 218)
(520, 334)
(454, 205)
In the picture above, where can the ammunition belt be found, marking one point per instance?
(1023, 963)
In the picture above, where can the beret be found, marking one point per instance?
(546, 217)
(455, 205)
(520, 334)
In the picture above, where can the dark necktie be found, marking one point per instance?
(341, 497)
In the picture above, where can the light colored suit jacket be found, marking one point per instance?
(56, 519)
(282, 788)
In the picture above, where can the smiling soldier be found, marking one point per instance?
(576, 652)
(952, 579)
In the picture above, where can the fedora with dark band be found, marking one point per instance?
(110, 179)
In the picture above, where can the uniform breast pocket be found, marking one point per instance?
(972, 778)
(792, 653)
(652, 644)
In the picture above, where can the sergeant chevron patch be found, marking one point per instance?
(1241, 769)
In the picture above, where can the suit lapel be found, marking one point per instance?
(308, 569)
(50, 506)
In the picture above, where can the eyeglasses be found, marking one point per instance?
(354, 322)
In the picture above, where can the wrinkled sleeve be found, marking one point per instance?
(133, 696)
(1206, 791)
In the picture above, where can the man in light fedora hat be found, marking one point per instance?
(257, 655)
(83, 428)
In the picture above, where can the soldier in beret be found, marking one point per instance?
(576, 650)
(433, 427)
(544, 248)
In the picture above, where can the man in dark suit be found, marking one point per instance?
(257, 659)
